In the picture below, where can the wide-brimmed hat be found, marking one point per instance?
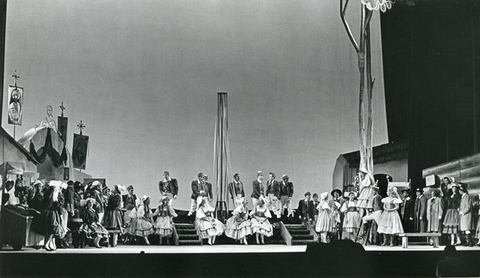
(336, 190)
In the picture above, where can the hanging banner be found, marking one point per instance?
(15, 105)
(79, 151)
(62, 128)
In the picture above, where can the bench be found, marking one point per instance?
(434, 236)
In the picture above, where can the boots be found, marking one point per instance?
(468, 240)
(385, 239)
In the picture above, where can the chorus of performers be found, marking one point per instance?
(96, 215)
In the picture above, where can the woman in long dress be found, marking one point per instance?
(352, 220)
(390, 223)
(451, 221)
(260, 224)
(324, 222)
(164, 222)
(238, 226)
(91, 226)
(142, 224)
(52, 215)
(209, 226)
(113, 215)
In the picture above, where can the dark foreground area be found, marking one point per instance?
(338, 259)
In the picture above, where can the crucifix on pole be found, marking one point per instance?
(81, 126)
(62, 108)
(15, 76)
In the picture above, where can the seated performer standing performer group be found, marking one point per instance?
(260, 224)
(168, 187)
(258, 189)
(209, 226)
(164, 221)
(238, 226)
(390, 223)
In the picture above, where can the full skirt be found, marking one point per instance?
(54, 224)
(324, 222)
(163, 226)
(352, 221)
(451, 222)
(238, 229)
(113, 219)
(93, 230)
(210, 227)
(262, 226)
(140, 227)
(365, 199)
(390, 223)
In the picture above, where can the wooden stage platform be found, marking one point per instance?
(219, 249)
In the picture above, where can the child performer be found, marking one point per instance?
(209, 226)
(324, 222)
(164, 222)
(260, 224)
(238, 226)
(352, 220)
(390, 223)
(142, 224)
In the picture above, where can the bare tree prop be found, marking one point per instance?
(364, 55)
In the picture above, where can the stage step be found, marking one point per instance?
(294, 237)
(301, 234)
(187, 234)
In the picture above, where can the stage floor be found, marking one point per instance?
(218, 249)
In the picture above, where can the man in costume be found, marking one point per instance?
(286, 193)
(258, 189)
(168, 187)
(236, 187)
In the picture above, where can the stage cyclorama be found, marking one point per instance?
(251, 138)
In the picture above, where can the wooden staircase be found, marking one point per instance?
(298, 234)
(186, 234)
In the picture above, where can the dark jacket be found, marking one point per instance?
(258, 189)
(234, 190)
(305, 210)
(197, 187)
(129, 202)
(286, 189)
(168, 186)
(273, 187)
(408, 216)
(420, 211)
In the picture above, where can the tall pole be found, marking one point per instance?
(221, 155)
